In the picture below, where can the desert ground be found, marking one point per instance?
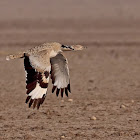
(105, 78)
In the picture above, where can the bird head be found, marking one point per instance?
(72, 48)
(57, 47)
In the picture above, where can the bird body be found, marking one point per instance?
(40, 62)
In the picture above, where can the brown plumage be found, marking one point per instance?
(40, 62)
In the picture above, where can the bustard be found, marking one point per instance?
(40, 62)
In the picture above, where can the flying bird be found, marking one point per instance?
(41, 62)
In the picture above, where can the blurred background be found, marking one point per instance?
(105, 77)
(90, 22)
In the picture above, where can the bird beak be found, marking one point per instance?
(78, 47)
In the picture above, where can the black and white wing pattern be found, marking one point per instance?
(36, 83)
(60, 74)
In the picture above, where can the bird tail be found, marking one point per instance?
(15, 56)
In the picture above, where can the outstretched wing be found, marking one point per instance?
(37, 83)
(60, 74)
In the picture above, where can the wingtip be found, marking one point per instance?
(27, 99)
(53, 89)
(66, 92)
(38, 103)
(62, 90)
(68, 87)
(57, 92)
(30, 103)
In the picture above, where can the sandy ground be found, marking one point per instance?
(105, 78)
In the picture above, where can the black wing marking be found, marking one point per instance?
(32, 78)
(60, 75)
